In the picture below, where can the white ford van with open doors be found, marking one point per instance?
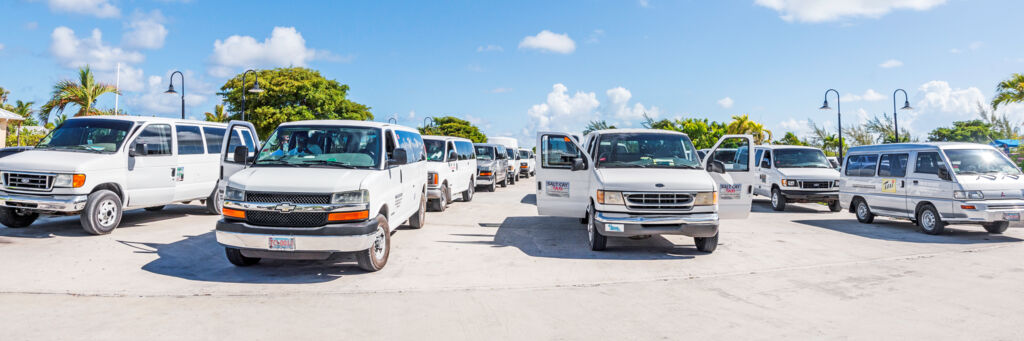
(451, 169)
(317, 188)
(635, 182)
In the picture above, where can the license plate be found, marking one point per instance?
(1011, 216)
(282, 243)
(615, 228)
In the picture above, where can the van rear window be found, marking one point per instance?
(861, 165)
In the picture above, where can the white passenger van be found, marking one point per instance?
(451, 168)
(796, 174)
(933, 184)
(99, 166)
(492, 165)
(635, 182)
(527, 166)
(317, 188)
(512, 150)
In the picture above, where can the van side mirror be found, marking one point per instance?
(766, 164)
(452, 155)
(944, 173)
(241, 154)
(578, 164)
(716, 166)
(398, 157)
(140, 149)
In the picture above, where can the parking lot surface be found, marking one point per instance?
(493, 269)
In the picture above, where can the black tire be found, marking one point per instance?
(376, 257)
(16, 218)
(595, 239)
(778, 200)
(929, 220)
(834, 206)
(155, 208)
(863, 211)
(491, 187)
(215, 203)
(997, 227)
(504, 183)
(235, 257)
(706, 244)
(446, 195)
(420, 217)
(467, 195)
(435, 205)
(102, 212)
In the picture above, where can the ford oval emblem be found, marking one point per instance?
(659, 185)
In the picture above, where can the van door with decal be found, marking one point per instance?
(892, 172)
(735, 180)
(563, 176)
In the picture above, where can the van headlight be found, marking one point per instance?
(231, 193)
(789, 183)
(69, 180)
(609, 198)
(968, 195)
(351, 197)
(705, 199)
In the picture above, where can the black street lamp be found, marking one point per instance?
(170, 89)
(906, 106)
(255, 88)
(839, 115)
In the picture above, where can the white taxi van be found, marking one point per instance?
(635, 182)
(99, 166)
(933, 184)
(796, 174)
(451, 168)
(317, 188)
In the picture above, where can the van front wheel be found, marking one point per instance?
(102, 212)
(467, 195)
(864, 214)
(236, 257)
(17, 218)
(597, 241)
(834, 206)
(997, 227)
(778, 200)
(417, 220)
(930, 221)
(706, 244)
(376, 257)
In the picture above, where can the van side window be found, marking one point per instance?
(214, 137)
(157, 138)
(757, 157)
(558, 152)
(927, 163)
(190, 140)
(768, 157)
(389, 144)
(451, 147)
(893, 165)
(861, 165)
(413, 145)
(234, 142)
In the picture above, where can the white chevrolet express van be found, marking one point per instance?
(317, 188)
(492, 165)
(527, 166)
(99, 166)
(933, 184)
(451, 168)
(795, 174)
(634, 182)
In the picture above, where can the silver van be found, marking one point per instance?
(933, 184)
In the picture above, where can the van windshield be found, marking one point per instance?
(435, 150)
(511, 153)
(800, 158)
(322, 146)
(523, 154)
(87, 135)
(484, 153)
(646, 150)
(979, 161)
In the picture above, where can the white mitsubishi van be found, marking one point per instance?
(796, 174)
(933, 184)
(99, 166)
(634, 182)
(451, 168)
(317, 188)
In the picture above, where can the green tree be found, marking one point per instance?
(790, 139)
(964, 131)
(883, 131)
(27, 137)
(703, 133)
(1009, 91)
(452, 126)
(84, 94)
(3, 95)
(1002, 126)
(822, 138)
(859, 136)
(291, 94)
(597, 125)
(24, 109)
(741, 124)
(218, 114)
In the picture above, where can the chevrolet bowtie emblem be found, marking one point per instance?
(285, 207)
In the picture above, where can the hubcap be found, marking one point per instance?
(928, 220)
(590, 228)
(107, 213)
(379, 244)
(775, 199)
(862, 210)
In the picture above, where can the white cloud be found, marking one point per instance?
(500, 90)
(870, 95)
(644, 3)
(489, 48)
(548, 41)
(563, 111)
(891, 63)
(829, 10)
(145, 30)
(73, 52)
(955, 50)
(153, 101)
(799, 127)
(131, 78)
(725, 102)
(97, 8)
(619, 107)
(284, 47)
(411, 116)
(976, 45)
(595, 36)
(939, 96)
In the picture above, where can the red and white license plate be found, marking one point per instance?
(1011, 216)
(282, 243)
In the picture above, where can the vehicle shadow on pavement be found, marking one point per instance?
(765, 206)
(556, 237)
(71, 226)
(529, 199)
(902, 231)
(200, 258)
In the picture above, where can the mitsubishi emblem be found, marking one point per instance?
(285, 207)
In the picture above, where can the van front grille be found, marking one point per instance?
(816, 184)
(293, 219)
(658, 200)
(28, 181)
(295, 198)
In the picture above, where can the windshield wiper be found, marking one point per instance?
(276, 162)
(332, 163)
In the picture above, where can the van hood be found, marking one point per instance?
(1000, 187)
(486, 164)
(809, 173)
(646, 179)
(303, 180)
(53, 161)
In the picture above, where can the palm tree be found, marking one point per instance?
(1009, 91)
(218, 114)
(3, 95)
(741, 124)
(83, 94)
(592, 126)
(25, 110)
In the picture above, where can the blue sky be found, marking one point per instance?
(518, 67)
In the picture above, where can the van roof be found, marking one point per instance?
(495, 145)
(144, 119)
(445, 138)
(917, 145)
(635, 131)
(354, 123)
(784, 146)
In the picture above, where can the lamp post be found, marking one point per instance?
(255, 88)
(839, 115)
(906, 106)
(170, 89)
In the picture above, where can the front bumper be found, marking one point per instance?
(346, 237)
(810, 196)
(47, 203)
(626, 225)
(434, 193)
(986, 211)
(485, 180)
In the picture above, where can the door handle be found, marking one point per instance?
(915, 182)
(903, 183)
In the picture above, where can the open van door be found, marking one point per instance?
(238, 133)
(733, 180)
(563, 176)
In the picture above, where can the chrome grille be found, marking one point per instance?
(295, 198)
(279, 219)
(28, 181)
(658, 201)
(816, 184)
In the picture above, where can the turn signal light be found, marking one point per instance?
(78, 180)
(343, 216)
(433, 178)
(485, 173)
(967, 207)
(233, 213)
